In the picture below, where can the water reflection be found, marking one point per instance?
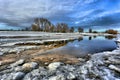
(90, 38)
(80, 38)
(94, 36)
(87, 45)
(110, 37)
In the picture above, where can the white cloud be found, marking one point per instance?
(22, 12)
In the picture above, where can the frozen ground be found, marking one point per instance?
(9, 39)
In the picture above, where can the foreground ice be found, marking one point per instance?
(101, 66)
(118, 38)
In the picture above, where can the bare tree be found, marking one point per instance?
(58, 27)
(62, 27)
(72, 29)
(52, 28)
(43, 24)
(35, 27)
(80, 29)
(90, 30)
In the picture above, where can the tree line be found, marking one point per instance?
(43, 24)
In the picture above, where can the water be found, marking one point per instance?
(86, 46)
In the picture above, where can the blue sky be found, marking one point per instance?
(96, 14)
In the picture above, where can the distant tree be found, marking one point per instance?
(43, 24)
(46, 28)
(95, 32)
(72, 29)
(64, 27)
(80, 29)
(58, 27)
(90, 30)
(27, 29)
(35, 27)
(52, 28)
(111, 31)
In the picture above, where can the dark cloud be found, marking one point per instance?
(86, 13)
(106, 20)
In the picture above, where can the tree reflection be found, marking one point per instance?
(110, 37)
(90, 37)
(80, 38)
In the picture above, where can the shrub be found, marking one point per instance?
(111, 31)
(95, 32)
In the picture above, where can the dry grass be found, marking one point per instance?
(48, 58)
(30, 55)
(7, 61)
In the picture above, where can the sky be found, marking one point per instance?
(96, 14)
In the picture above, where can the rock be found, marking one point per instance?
(35, 72)
(1, 53)
(36, 78)
(58, 77)
(54, 65)
(10, 76)
(7, 70)
(28, 76)
(18, 76)
(4, 77)
(81, 59)
(12, 51)
(29, 66)
(18, 68)
(71, 76)
(51, 59)
(17, 63)
(69, 68)
(46, 63)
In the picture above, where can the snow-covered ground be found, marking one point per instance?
(118, 38)
(9, 39)
(101, 66)
(105, 65)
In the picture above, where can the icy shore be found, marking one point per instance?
(101, 66)
(16, 41)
